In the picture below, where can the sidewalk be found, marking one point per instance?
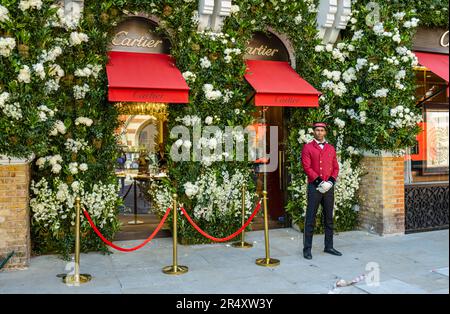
(416, 263)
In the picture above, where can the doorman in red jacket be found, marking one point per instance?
(320, 165)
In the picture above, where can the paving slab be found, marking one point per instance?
(393, 286)
(416, 263)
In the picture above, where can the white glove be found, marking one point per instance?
(320, 189)
(325, 186)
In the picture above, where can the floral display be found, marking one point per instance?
(54, 108)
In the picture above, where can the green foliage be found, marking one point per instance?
(30, 134)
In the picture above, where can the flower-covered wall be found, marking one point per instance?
(53, 103)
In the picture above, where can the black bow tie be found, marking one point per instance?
(321, 143)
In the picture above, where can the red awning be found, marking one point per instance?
(277, 84)
(437, 63)
(145, 77)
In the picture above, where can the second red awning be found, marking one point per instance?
(437, 63)
(145, 77)
(277, 84)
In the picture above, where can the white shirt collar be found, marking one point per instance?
(324, 141)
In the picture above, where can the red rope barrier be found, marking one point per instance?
(257, 208)
(161, 223)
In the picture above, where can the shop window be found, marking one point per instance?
(428, 160)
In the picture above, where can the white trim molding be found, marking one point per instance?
(7, 161)
(212, 13)
(384, 153)
(73, 7)
(333, 16)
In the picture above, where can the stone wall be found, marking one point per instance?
(14, 212)
(382, 195)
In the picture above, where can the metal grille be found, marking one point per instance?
(426, 207)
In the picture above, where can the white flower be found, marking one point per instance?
(3, 14)
(10, 110)
(305, 137)
(399, 15)
(78, 38)
(360, 63)
(189, 76)
(89, 70)
(381, 93)
(30, 4)
(83, 120)
(359, 100)
(210, 93)
(412, 23)
(75, 145)
(79, 92)
(51, 86)
(55, 159)
(208, 88)
(400, 75)
(298, 19)
(378, 28)
(358, 35)
(56, 168)
(205, 63)
(38, 68)
(44, 111)
(195, 17)
(338, 89)
(41, 162)
(24, 74)
(209, 120)
(7, 45)
(340, 123)
(228, 95)
(51, 55)
(403, 117)
(190, 189)
(234, 9)
(352, 151)
(319, 48)
(349, 75)
(396, 38)
(73, 167)
(59, 127)
(75, 186)
(83, 167)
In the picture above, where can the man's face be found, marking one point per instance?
(320, 133)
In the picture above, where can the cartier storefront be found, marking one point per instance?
(427, 165)
(142, 82)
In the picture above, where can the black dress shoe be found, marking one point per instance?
(333, 252)
(307, 255)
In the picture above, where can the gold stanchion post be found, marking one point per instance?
(175, 269)
(76, 279)
(242, 244)
(266, 261)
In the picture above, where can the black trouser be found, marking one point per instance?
(315, 198)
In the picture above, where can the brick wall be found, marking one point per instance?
(14, 213)
(382, 195)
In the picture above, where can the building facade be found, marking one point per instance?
(143, 81)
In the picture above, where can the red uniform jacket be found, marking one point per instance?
(318, 162)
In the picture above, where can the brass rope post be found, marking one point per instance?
(175, 269)
(242, 244)
(76, 279)
(266, 261)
